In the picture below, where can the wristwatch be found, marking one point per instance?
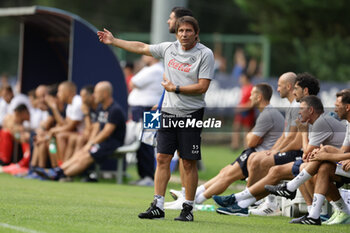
(177, 90)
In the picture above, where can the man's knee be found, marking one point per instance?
(253, 162)
(275, 173)
(189, 165)
(267, 162)
(163, 159)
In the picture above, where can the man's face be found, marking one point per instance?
(62, 93)
(7, 95)
(340, 108)
(186, 35)
(254, 97)
(86, 97)
(282, 88)
(40, 98)
(98, 95)
(304, 112)
(298, 92)
(20, 117)
(171, 22)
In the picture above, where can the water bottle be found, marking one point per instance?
(205, 207)
(53, 146)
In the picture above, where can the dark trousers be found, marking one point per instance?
(145, 154)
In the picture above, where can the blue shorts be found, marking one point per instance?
(99, 152)
(287, 157)
(296, 167)
(242, 160)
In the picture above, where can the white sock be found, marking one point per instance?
(340, 205)
(271, 199)
(247, 202)
(160, 201)
(200, 189)
(200, 198)
(245, 194)
(309, 208)
(316, 205)
(183, 192)
(298, 180)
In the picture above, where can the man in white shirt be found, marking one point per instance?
(74, 116)
(146, 92)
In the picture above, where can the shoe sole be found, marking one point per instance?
(162, 218)
(271, 215)
(230, 213)
(173, 194)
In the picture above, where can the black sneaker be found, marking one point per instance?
(186, 213)
(281, 190)
(307, 220)
(153, 212)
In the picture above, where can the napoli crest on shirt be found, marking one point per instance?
(193, 59)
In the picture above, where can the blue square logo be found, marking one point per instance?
(151, 120)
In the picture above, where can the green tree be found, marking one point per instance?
(306, 35)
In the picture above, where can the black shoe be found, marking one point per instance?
(186, 213)
(281, 190)
(153, 212)
(307, 220)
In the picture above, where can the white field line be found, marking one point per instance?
(21, 229)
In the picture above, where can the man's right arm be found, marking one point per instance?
(253, 140)
(106, 37)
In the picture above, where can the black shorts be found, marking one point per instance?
(287, 157)
(343, 180)
(242, 160)
(186, 140)
(99, 152)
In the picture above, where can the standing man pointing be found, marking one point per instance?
(189, 68)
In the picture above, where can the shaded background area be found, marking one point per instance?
(310, 35)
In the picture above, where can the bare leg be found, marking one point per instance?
(35, 155)
(70, 146)
(254, 167)
(82, 162)
(307, 194)
(61, 140)
(162, 174)
(275, 175)
(81, 141)
(191, 178)
(42, 155)
(227, 176)
(182, 172)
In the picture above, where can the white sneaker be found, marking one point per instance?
(174, 205)
(175, 194)
(266, 209)
(0, 169)
(146, 181)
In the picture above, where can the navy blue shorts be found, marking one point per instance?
(187, 141)
(242, 160)
(287, 157)
(296, 167)
(99, 152)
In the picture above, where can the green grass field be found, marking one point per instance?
(43, 206)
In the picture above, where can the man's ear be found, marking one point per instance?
(306, 91)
